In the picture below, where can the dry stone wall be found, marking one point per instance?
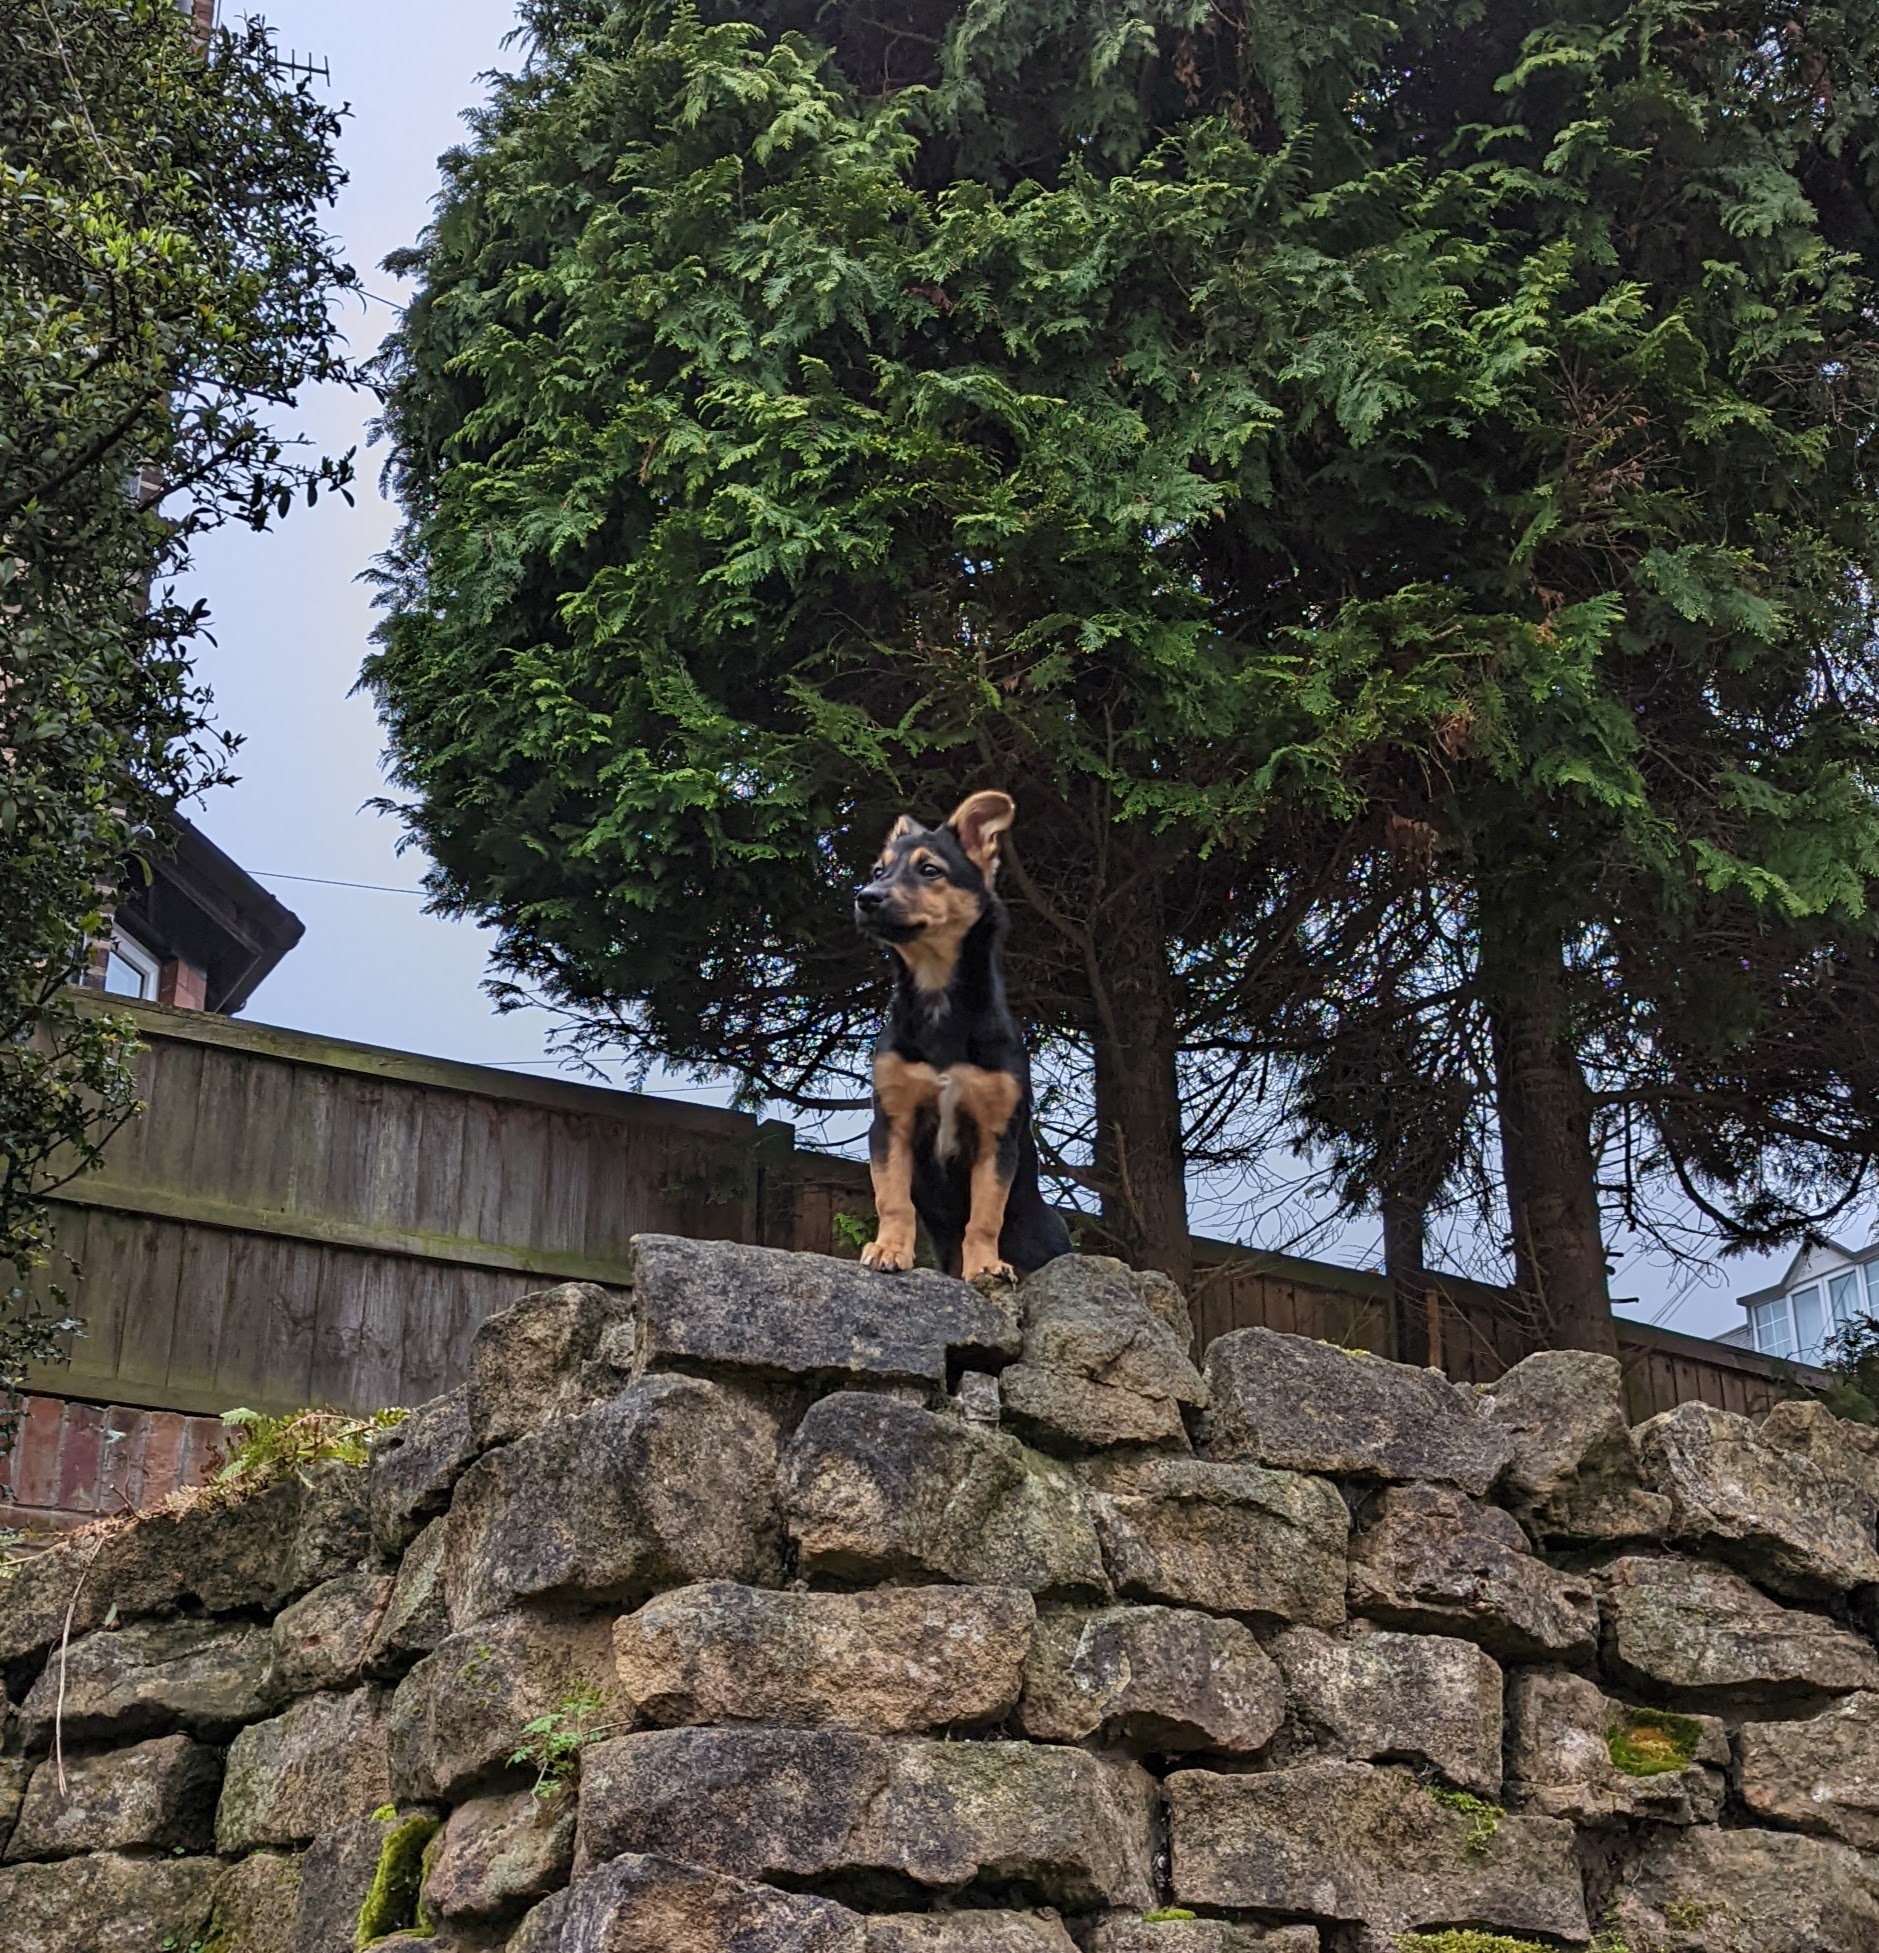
(779, 1606)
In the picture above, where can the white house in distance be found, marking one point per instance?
(1824, 1287)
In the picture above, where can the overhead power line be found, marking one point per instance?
(330, 881)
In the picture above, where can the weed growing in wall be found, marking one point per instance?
(1486, 1819)
(555, 1742)
(263, 1450)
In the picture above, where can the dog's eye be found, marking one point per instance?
(931, 870)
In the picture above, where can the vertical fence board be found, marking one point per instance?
(203, 1306)
(150, 1264)
(285, 1280)
(437, 1186)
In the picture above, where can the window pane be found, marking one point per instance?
(1872, 1287)
(1773, 1336)
(124, 979)
(1845, 1292)
(1809, 1320)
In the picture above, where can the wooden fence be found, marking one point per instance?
(298, 1220)
(1470, 1330)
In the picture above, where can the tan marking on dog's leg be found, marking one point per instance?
(892, 1247)
(990, 1097)
(900, 1090)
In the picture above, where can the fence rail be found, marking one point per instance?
(295, 1219)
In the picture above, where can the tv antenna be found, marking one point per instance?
(295, 66)
(303, 67)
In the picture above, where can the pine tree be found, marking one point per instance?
(1246, 434)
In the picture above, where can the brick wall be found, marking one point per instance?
(73, 1462)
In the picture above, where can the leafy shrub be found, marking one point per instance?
(263, 1450)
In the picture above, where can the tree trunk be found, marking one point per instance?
(1140, 1166)
(1545, 1116)
(1404, 1246)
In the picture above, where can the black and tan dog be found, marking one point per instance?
(952, 1140)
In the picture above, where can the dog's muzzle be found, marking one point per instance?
(874, 916)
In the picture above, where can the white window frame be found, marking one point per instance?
(1843, 1282)
(1781, 1313)
(1769, 1315)
(132, 954)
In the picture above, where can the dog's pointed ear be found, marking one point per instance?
(902, 827)
(978, 821)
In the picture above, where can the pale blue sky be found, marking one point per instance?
(291, 621)
(291, 618)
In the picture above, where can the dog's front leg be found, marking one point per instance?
(991, 1097)
(901, 1088)
(890, 1166)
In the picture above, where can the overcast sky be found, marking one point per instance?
(292, 621)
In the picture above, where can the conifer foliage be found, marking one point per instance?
(1279, 444)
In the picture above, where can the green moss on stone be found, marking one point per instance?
(423, 1922)
(1486, 1820)
(1166, 1914)
(1652, 1742)
(392, 1903)
(1466, 1941)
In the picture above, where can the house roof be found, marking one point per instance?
(199, 904)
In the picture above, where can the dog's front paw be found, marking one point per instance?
(992, 1274)
(888, 1256)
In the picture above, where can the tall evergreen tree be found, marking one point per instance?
(756, 493)
(1236, 431)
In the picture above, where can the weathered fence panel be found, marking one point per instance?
(297, 1220)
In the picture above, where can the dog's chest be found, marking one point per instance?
(957, 1094)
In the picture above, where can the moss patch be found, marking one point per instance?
(423, 1922)
(392, 1903)
(1166, 1914)
(1486, 1822)
(1466, 1942)
(1652, 1742)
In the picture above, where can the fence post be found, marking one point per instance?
(779, 1195)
